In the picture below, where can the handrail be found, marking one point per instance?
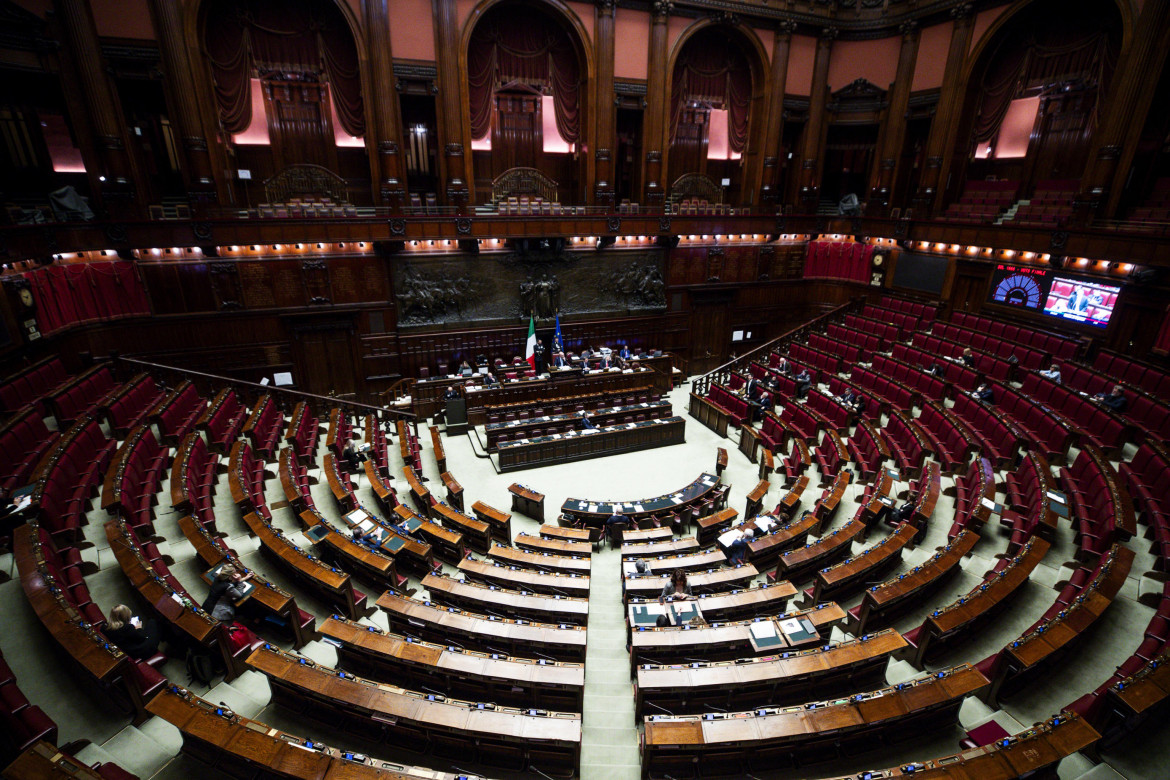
(288, 398)
(702, 384)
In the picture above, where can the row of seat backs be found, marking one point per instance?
(996, 345)
(1059, 346)
(29, 384)
(1153, 380)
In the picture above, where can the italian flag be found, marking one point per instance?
(530, 347)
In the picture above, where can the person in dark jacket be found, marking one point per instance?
(227, 589)
(136, 637)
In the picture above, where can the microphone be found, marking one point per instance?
(717, 709)
(542, 655)
(542, 774)
(655, 706)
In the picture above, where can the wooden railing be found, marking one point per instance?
(249, 392)
(723, 373)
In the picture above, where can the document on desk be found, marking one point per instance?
(1055, 496)
(727, 538)
(356, 517)
(593, 508)
(638, 508)
(991, 505)
(764, 636)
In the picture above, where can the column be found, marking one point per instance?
(770, 171)
(603, 194)
(198, 168)
(814, 131)
(893, 135)
(114, 177)
(386, 134)
(941, 143)
(1125, 108)
(450, 104)
(654, 124)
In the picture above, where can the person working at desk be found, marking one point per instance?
(615, 522)
(227, 589)
(465, 369)
(858, 404)
(624, 352)
(135, 637)
(1052, 373)
(783, 366)
(586, 423)
(559, 360)
(369, 540)
(803, 383)
(451, 394)
(984, 393)
(968, 358)
(678, 589)
(737, 551)
(1114, 400)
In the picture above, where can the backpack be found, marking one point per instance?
(200, 668)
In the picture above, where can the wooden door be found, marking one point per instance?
(323, 354)
(709, 335)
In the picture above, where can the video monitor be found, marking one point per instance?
(1080, 301)
(1019, 286)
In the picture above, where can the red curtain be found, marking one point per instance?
(241, 36)
(1062, 49)
(712, 69)
(838, 260)
(78, 293)
(535, 52)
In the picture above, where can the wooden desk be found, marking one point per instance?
(573, 585)
(493, 600)
(440, 451)
(477, 534)
(833, 581)
(243, 747)
(719, 640)
(595, 513)
(44, 761)
(385, 493)
(709, 414)
(446, 543)
(831, 547)
(339, 548)
(827, 506)
(974, 609)
(710, 526)
(767, 463)
(720, 461)
(554, 546)
(755, 499)
(500, 522)
(703, 560)
(538, 389)
(762, 737)
(506, 680)
(331, 584)
(266, 597)
(711, 581)
(784, 676)
(561, 533)
(491, 732)
(766, 548)
(687, 544)
(598, 442)
(514, 556)
(602, 417)
(646, 534)
(736, 604)
(418, 491)
(454, 490)
(881, 602)
(1048, 639)
(339, 484)
(1034, 752)
(446, 624)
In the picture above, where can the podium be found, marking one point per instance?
(456, 415)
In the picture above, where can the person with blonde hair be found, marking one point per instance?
(136, 637)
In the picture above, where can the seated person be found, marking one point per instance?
(369, 540)
(968, 358)
(465, 369)
(1114, 400)
(587, 352)
(586, 423)
(859, 404)
(678, 589)
(135, 637)
(984, 393)
(848, 398)
(489, 380)
(351, 458)
(737, 551)
(451, 394)
(783, 366)
(624, 352)
(803, 383)
(559, 360)
(227, 589)
(1052, 373)
(936, 369)
(614, 522)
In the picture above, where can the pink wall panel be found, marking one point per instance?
(800, 65)
(932, 57)
(412, 33)
(982, 22)
(631, 39)
(123, 19)
(674, 28)
(766, 37)
(587, 14)
(874, 61)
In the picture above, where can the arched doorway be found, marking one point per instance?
(1034, 94)
(715, 107)
(286, 80)
(527, 76)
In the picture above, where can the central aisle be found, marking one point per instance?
(609, 746)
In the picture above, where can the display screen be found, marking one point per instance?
(1063, 297)
(925, 273)
(1080, 301)
(1019, 286)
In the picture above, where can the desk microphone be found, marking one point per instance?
(717, 709)
(545, 657)
(655, 706)
(542, 774)
(501, 617)
(560, 593)
(432, 690)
